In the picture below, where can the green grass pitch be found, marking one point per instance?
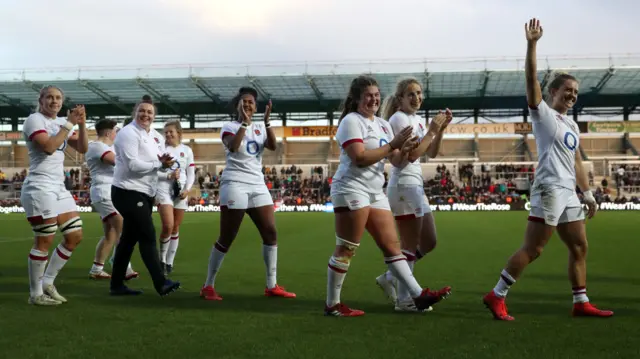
(471, 251)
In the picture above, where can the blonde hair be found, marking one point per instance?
(392, 103)
(43, 92)
(175, 124)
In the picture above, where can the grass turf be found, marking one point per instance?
(471, 251)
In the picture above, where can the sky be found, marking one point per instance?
(69, 33)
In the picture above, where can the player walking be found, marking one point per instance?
(243, 190)
(405, 190)
(48, 204)
(358, 198)
(554, 201)
(173, 189)
(100, 159)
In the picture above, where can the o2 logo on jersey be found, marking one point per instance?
(383, 142)
(62, 147)
(570, 141)
(253, 148)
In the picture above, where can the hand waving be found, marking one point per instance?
(533, 30)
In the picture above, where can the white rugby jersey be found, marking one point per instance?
(44, 168)
(350, 178)
(245, 165)
(184, 160)
(411, 174)
(159, 139)
(557, 139)
(101, 173)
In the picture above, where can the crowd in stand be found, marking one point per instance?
(292, 186)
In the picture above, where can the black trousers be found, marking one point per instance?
(136, 209)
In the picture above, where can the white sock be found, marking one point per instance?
(335, 277)
(37, 263)
(270, 255)
(170, 253)
(97, 267)
(580, 295)
(403, 292)
(400, 269)
(215, 262)
(58, 259)
(164, 248)
(504, 283)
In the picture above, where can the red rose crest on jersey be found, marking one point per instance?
(385, 130)
(422, 128)
(257, 132)
(157, 140)
(181, 154)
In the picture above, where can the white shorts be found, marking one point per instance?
(554, 204)
(408, 201)
(164, 198)
(46, 200)
(355, 201)
(235, 195)
(105, 208)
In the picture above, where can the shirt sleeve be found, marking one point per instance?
(191, 169)
(349, 131)
(398, 122)
(543, 114)
(127, 146)
(33, 125)
(228, 129)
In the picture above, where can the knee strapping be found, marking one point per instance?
(70, 226)
(45, 230)
(348, 245)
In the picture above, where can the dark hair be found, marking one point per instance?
(105, 125)
(145, 99)
(245, 90)
(559, 79)
(358, 85)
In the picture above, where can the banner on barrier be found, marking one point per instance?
(614, 127)
(328, 207)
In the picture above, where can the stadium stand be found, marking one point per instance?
(488, 155)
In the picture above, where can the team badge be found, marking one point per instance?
(385, 130)
(157, 140)
(422, 128)
(257, 132)
(181, 154)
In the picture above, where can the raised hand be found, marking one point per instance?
(267, 112)
(533, 30)
(401, 137)
(438, 122)
(410, 145)
(166, 160)
(244, 117)
(77, 115)
(449, 115)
